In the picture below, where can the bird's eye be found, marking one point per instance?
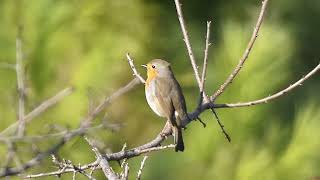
(153, 66)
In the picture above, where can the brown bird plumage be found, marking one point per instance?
(164, 96)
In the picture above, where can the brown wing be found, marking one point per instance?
(166, 90)
(162, 91)
(178, 101)
(171, 93)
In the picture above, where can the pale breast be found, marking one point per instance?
(152, 100)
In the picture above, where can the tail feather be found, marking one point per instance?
(178, 139)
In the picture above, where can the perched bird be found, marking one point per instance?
(164, 96)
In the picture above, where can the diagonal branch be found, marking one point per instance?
(135, 72)
(272, 97)
(46, 137)
(40, 109)
(187, 42)
(245, 55)
(86, 122)
(83, 127)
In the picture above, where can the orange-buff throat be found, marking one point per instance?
(151, 72)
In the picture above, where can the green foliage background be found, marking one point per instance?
(83, 43)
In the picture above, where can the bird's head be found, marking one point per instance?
(157, 68)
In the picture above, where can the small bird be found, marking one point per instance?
(164, 96)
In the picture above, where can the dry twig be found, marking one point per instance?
(135, 72)
(245, 55)
(141, 167)
(205, 59)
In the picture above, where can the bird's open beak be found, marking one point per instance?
(143, 65)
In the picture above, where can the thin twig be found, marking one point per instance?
(135, 72)
(21, 85)
(245, 55)
(187, 42)
(203, 78)
(67, 169)
(141, 167)
(205, 59)
(107, 101)
(40, 109)
(272, 97)
(221, 125)
(200, 82)
(35, 161)
(146, 148)
(35, 138)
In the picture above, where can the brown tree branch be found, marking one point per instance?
(245, 55)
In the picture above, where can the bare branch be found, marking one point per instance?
(35, 161)
(66, 168)
(107, 170)
(21, 85)
(187, 42)
(245, 55)
(205, 59)
(141, 167)
(40, 109)
(200, 82)
(272, 97)
(135, 72)
(151, 146)
(86, 123)
(35, 138)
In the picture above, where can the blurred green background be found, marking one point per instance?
(83, 44)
